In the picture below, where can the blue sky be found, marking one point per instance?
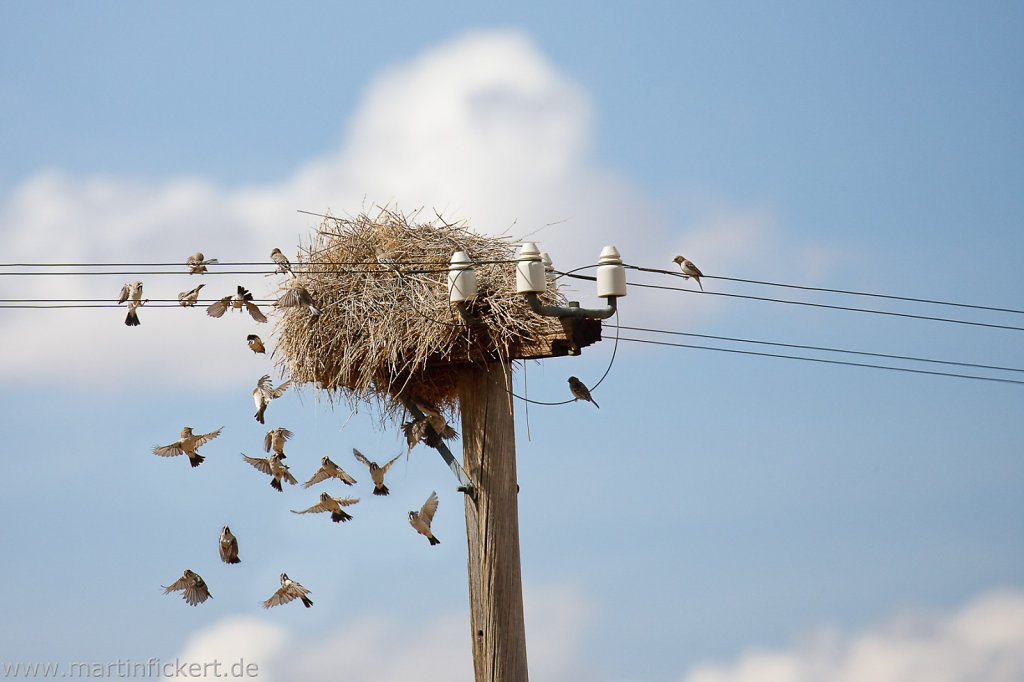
(721, 518)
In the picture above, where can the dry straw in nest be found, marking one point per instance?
(387, 330)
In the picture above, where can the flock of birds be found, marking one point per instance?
(194, 588)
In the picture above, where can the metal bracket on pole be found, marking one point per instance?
(573, 310)
(465, 483)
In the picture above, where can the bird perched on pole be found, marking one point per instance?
(134, 292)
(189, 298)
(264, 393)
(241, 297)
(273, 467)
(283, 266)
(289, 591)
(376, 472)
(580, 391)
(329, 469)
(187, 444)
(331, 504)
(421, 520)
(228, 547)
(196, 264)
(194, 587)
(275, 439)
(297, 296)
(689, 270)
(256, 344)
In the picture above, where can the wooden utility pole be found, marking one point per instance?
(492, 526)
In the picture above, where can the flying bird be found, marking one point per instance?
(376, 472)
(331, 504)
(196, 591)
(187, 444)
(289, 591)
(228, 547)
(242, 297)
(275, 439)
(189, 298)
(273, 467)
(421, 520)
(297, 296)
(196, 264)
(133, 292)
(255, 344)
(329, 469)
(264, 393)
(580, 391)
(283, 266)
(689, 270)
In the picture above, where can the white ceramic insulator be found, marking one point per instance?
(461, 278)
(611, 276)
(530, 270)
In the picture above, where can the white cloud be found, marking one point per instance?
(984, 640)
(482, 128)
(385, 650)
(230, 648)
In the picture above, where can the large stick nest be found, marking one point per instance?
(387, 331)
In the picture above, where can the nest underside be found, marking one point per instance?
(387, 332)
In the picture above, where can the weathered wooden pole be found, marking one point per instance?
(492, 526)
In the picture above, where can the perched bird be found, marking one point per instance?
(196, 264)
(283, 266)
(689, 270)
(580, 391)
(376, 472)
(196, 591)
(242, 297)
(298, 296)
(421, 520)
(228, 547)
(288, 591)
(331, 504)
(264, 393)
(188, 444)
(255, 344)
(134, 292)
(275, 439)
(273, 467)
(329, 469)
(189, 298)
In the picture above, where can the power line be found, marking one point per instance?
(825, 349)
(824, 361)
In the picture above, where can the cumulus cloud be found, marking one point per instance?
(382, 649)
(240, 642)
(482, 128)
(984, 640)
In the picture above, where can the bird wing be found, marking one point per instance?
(169, 450)
(206, 437)
(264, 386)
(289, 299)
(197, 592)
(428, 508)
(179, 584)
(125, 293)
(254, 311)
(217, 308)
(315, 509)
(279, 391)
(384, 469)
(362, 458)
(321, 475)
(287, 476)
(268, 440)
(282, 596)
(261, 464)
(346, 501)
(285, 433)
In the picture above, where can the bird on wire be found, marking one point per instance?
(298, 297)
(580, 391)
(133, 292)
(196, 263)
(187, 444)
(689, 270)
(189, 298)
(283, 266)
